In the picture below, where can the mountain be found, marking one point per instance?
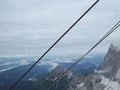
(108, 77)
(9, 77)
(89, 74)
(37, 76)
(112, 60)
(67, 82)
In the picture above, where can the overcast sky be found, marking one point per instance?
(29, 27)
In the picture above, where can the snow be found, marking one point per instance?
(109, 84)
(99, 71)
(80, 85)
(116, 46)
(106, 70)
(32, 79)
(52, 66)
(70, 74)
(118, 74)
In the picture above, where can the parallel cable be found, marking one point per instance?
(102, 39)
(53, 45)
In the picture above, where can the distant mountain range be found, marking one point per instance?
(98, 75)
(22, 64)
(107, 78)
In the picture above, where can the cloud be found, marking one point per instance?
(7, 63)
(2, 70)
(53, 66)
(24, 62)
(30, 27)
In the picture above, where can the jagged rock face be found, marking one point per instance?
(68, 82)
(108, 78)
(58, 72)
(111, 64)
(112, 59)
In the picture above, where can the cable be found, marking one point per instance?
(53, 45)
(103, 38)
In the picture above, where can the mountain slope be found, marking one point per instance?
(108, 78)
(68, 82)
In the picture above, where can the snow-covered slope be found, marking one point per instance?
(108, 78)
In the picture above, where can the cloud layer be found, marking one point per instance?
(31, 26)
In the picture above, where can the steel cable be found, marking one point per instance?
(53, 45)
(103, 38)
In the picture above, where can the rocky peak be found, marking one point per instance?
(115, 47)
(112, 59)
(108, 76)
(58, 72)
(68, 82)
(59, 69)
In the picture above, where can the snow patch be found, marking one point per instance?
(80, 85)
(115, 46)
(107, 70)
(118, 74)
(53, 66)
(109, 84)
(99, 71)
(32, 79)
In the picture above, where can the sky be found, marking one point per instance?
(29, 27)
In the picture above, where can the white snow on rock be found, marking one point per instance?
(52, 66)
(80, 85)
(116, 46)
(110, 84)
(118, 74)
(32, 79)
